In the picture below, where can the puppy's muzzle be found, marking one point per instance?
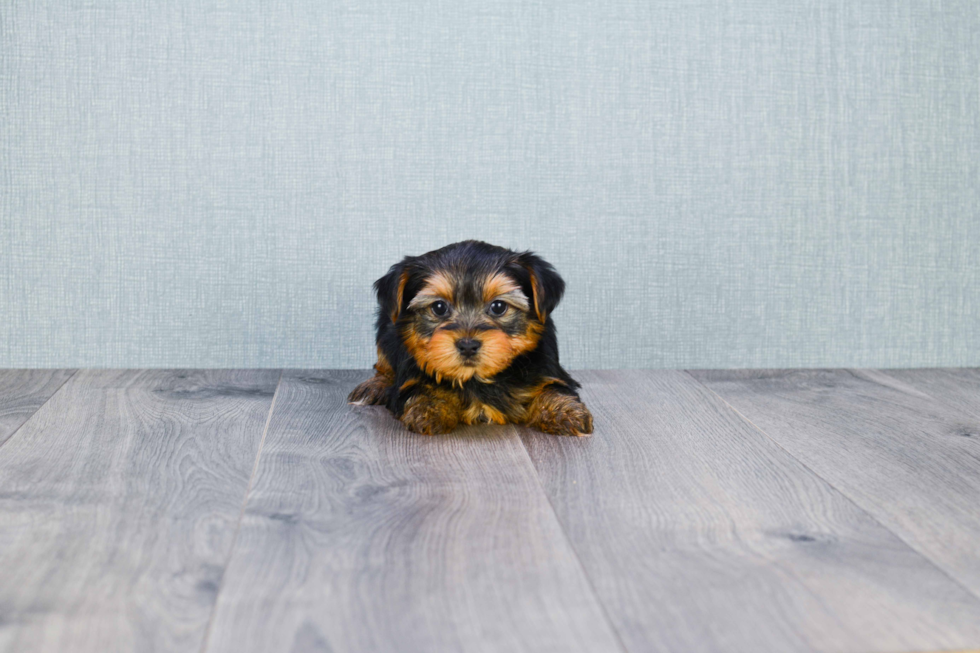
(468, 347)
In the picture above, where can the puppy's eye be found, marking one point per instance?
(440, 308)
(498, 308)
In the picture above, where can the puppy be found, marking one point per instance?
(464, 335)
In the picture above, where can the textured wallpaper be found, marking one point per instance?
(722, 184)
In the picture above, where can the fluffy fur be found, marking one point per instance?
(464, 336)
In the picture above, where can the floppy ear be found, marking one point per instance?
(547, 286)
(391, 290)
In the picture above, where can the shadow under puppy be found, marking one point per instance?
(464, 336)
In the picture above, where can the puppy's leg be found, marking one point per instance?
(374, 391)
(558, 411)
(432, 410)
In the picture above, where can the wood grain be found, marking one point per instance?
(909, 460)
(959, 388)
(361, 536)
(700, 534)
(119, 500)
(22, 392)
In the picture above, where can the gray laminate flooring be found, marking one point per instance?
(254, 510)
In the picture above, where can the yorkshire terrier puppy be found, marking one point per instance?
(464, 335)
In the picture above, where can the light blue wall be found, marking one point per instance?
(754, 183)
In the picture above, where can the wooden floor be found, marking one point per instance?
(254, 510)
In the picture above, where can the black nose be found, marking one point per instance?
(468, 346)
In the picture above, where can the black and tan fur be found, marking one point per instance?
(435, 309)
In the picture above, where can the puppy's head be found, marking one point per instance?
(468, 309)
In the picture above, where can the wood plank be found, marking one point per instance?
(22, 392)
(119, 501)
(361, 536)
(909, 460)
(958, 387)
(700, 534)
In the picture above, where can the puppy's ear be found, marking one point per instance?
(546, 285)
(391, 289)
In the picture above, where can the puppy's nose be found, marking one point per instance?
(468, 346)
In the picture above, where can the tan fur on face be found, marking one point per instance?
(437, 286)
(495, 353)
(502, 287)
(438, 355)
(442, 358)
(528, 340)
(498, 284)
(418, 347)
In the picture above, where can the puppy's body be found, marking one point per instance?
(464, 336)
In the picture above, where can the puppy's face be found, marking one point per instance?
(461, 326)
(469, 309)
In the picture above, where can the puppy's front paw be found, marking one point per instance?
(560, 414)
(430, 415)
(372, 392)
